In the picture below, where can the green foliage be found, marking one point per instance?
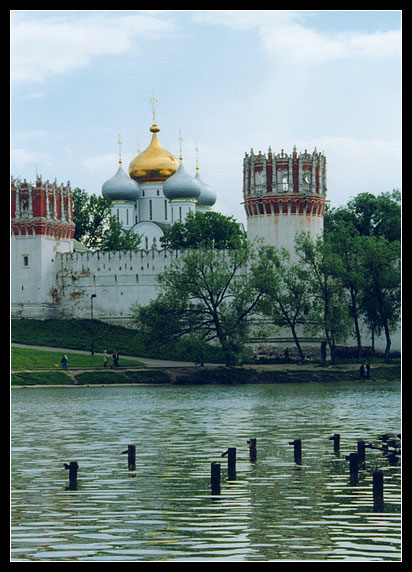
(208, 294)
(96, 228)
(370, 215)
(328, 310)
(209, 229)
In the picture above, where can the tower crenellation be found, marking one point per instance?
(284, 193)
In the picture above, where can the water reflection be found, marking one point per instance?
(164, 510)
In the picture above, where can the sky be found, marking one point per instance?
(228, 80)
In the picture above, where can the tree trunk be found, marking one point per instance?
(388, 343)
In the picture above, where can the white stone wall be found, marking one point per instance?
(33, 274)
(119, 279)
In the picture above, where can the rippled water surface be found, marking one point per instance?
(164, 511)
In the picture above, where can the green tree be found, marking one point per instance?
(96, 228)
(209, 294)
(209, 229)
(370, 215)
(381, 294)
(347, 245)
(288, 295)
(328, 309)
(116, 238)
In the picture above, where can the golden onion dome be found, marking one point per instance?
(155, 164)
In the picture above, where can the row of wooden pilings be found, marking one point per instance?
(356, 461)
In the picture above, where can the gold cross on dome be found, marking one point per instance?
(180, 142)
(197, 156)
(154, 101)
(120, 152)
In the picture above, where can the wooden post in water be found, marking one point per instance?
(231, 463)
(215, 478)
(378, 491)
(297, 450)
(73, 468)
(131, 457)
(252, 450)
(336, 442)
(353, 467)
(361, 452)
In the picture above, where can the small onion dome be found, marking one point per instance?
(154, 164)
(121, 187)
(207, 197)
(181, 186)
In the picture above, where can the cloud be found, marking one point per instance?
(58, 44)
(283, 36)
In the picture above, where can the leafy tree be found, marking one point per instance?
(381, 294)
(347, 245)
(287, 298)
(370, 215)
(96, 228)
(209, 229)
(328, 309)
(208, 293)
(116, 238)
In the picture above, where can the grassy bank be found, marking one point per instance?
(203, 376)
(27, 358)
(77, 335)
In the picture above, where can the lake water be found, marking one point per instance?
(165, 511)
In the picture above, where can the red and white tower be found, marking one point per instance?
(283, 195)
(41, 226)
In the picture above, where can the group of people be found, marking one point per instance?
(365, 371)
(115, 356)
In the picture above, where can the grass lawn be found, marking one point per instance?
(26, 358)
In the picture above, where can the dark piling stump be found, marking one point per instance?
(215, 478)
(297, 450)
(336, 442)
(252, 450)
(378, 503)
(73, 468)
(231, 463)
(131, 457)
(361, 452)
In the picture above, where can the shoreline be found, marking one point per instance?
(201, 375)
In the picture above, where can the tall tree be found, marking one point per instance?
(288, 296)
(328, 310)
(210, 294)
(96, 228)
(348, 246)
(381, 295)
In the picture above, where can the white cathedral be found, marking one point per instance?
(52, 276)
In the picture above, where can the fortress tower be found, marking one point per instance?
(41, 227)
(283, 195)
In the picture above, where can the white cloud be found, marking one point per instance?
(47, 45)
(285, 37)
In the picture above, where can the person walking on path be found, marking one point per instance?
(362, 371)
(64, 361)
(368, 371)
(115, 357)
(105, 358)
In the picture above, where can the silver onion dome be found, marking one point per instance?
(181, 186)
(121, 187)
(207, 197)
